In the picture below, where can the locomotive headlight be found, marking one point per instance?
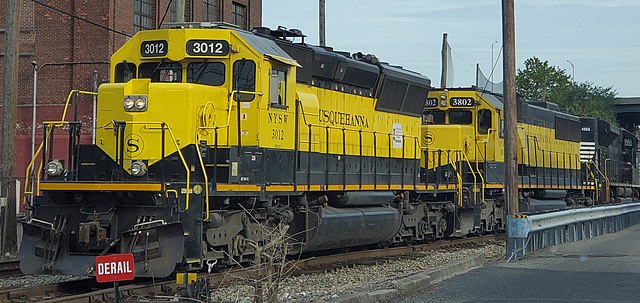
(138, 168)
(135, 103)
(128, 103)
(141, 103)
(54, 168)
(443, 99)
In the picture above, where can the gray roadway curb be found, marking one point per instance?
(416, 282)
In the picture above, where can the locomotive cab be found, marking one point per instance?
(463, 124)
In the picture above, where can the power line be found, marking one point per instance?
(80, 18)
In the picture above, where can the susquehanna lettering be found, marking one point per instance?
(339, 118)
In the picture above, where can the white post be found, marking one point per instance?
(33, 114)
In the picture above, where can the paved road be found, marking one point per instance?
(604, 269)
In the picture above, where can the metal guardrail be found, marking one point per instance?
(544, 230)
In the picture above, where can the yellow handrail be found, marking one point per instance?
(304, 120)
(175, 143)
(204, 171)
(206, 183)
(474, 175)
(595, 180)
(37, 153)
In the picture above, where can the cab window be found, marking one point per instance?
(244, 79)
(208, 73)
(484, 121)
(278, 87)
(460, 117)
(161, 71)
(433, 117)
(125, 72)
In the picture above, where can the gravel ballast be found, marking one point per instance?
(345, 281)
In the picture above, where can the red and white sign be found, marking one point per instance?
(113, 268)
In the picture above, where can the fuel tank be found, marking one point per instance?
(349, 227)
(537, 205)
(361, 198)
(550, 194)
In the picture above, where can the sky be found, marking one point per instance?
(600, 37)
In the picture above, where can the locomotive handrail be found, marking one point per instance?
(458, 175)
(449, 161)
(551, 152)
(177, 146)
(474, 176)
(39, 149)
(616, 167)
(359, 132)
(373, 132)
(595, 180)
(206, 182)
(204, 172)
(606, 176)
(216, 127)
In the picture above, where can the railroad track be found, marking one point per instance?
(94, 292)
(10, 268)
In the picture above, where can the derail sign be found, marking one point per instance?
(113, 268)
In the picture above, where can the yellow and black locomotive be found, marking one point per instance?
(563, 160)
(209, 137)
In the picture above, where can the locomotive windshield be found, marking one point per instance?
(433, 117)
(125, 72)
(161, 71)
(460, 117)
(208, 73)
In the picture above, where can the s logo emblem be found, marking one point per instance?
(134, 145)
(428, 138)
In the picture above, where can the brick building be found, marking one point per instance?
(69, 43)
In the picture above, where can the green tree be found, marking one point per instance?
(588, 99)
(540, 81)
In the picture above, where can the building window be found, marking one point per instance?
(212, 10)
(239, 13)
(142, 15)
(187, 11)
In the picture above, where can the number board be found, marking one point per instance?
(207, 48)
(157, 48)
(462, 102)
(431, 102)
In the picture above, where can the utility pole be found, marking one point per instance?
(511, 116)
(180, 10)
(9, 105)
(323, 41)
(445, 59)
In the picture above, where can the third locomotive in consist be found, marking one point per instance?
(208, 137)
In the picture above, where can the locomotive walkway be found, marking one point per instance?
(603, 269)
